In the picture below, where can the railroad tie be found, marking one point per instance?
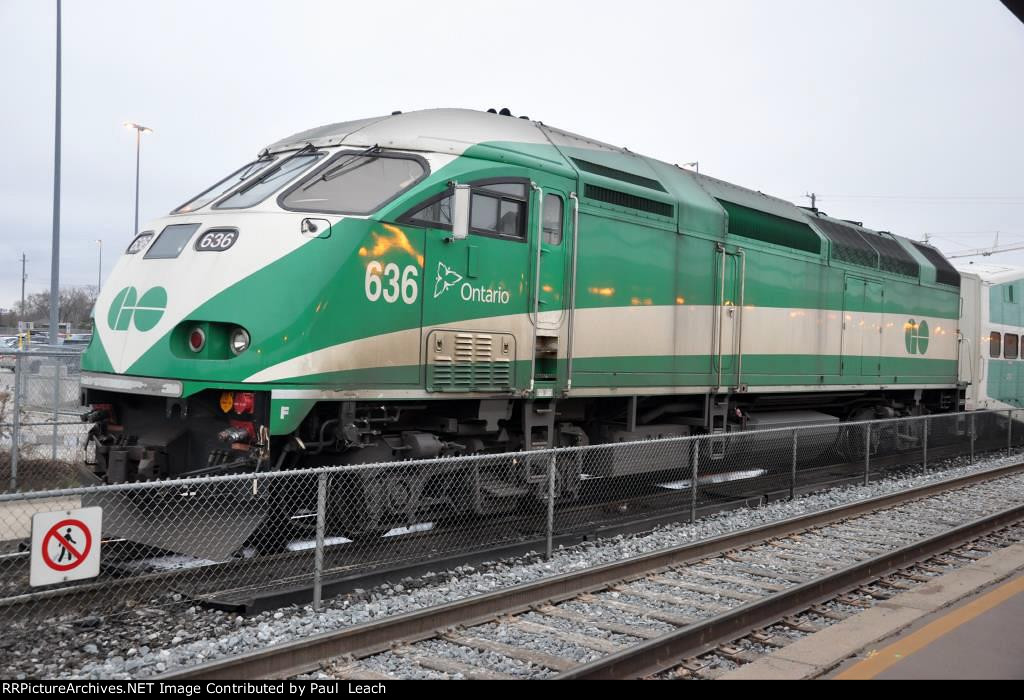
(355, 672)
(854, 544)
(451, 666)
(618, 628)
(822, 611)
(595, 643)
(725, 578)
(641, 611)
(537, 658)
(746, 568)
(697, 588)
(671, 599)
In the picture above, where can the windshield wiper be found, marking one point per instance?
(249, 185)
(336, 171)
(253, 167)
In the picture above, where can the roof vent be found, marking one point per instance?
(396, 112)
(505, 112)
(492, 110)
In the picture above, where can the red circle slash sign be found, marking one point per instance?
(77, 551)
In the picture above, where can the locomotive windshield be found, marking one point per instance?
(269, 181)
(224, 186)
(354, 183)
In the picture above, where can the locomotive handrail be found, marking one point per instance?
(739, 324)
(571, 331)
(536, 286)
(717, 317)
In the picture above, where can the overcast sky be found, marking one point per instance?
(903, 114)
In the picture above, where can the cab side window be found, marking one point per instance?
(437, 214)
(1010, 342)
(995, 344)
(499, 209)
(553, 208)
(496, 209)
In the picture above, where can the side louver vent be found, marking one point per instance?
(848, 245)
(630, 201)
(944, 272)
(470, 361)
(604, 171)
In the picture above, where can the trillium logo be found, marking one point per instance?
(146, 312)
(916, 336)
(446, 279)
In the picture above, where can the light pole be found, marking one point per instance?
(99, 274)
(695, 165)
(55, 251)
(139, 131)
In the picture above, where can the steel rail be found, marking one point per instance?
(665, 652)
(304, 655)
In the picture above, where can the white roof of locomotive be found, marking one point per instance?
(991, 273)
(437, 130)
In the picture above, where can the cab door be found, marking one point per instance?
(476, 291)
(853, 326)
(550, 251)
(728, 318)
(863, 326)
(552, 290)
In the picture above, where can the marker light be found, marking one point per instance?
(196, 339)
(244, 402)
(239, 341)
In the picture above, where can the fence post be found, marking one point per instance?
(792, 472)
(972, 438)
(924, 445)
(867, 453)
(321, 524)
(1009, 432)
(16, 422)
(551, 507)
(693, 480)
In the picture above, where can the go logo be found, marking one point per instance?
(145, 312)
(916, 337)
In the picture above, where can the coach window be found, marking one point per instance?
(1010, 341)
(553, 219)
(499, 209)
(995, 344)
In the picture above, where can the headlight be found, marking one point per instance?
(239, 341)
(140, 242)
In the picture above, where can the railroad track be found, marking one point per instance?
(647, 615)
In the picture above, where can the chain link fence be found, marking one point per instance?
(42, 439)
(226, 538)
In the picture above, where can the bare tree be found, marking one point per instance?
(76, 304)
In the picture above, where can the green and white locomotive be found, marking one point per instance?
(450, 282)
